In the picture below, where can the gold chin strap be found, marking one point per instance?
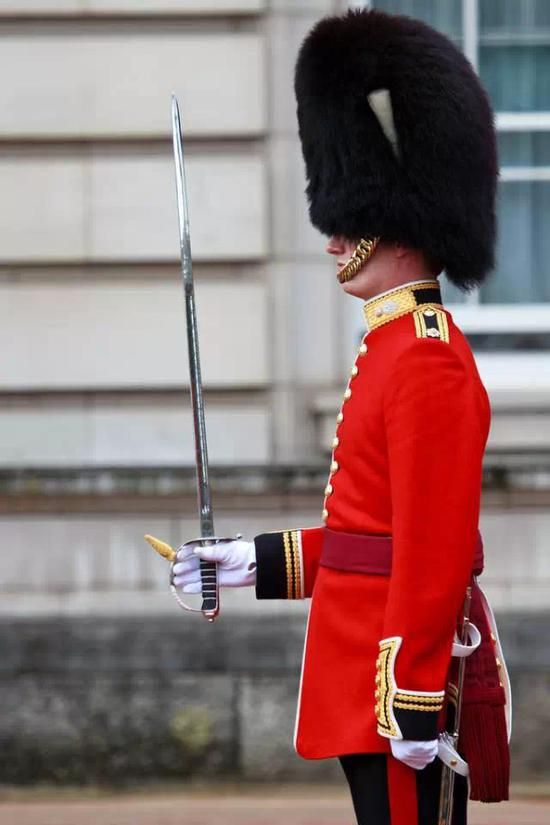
(363, 251)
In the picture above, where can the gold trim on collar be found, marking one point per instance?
(395, 303)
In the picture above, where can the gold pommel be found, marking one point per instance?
(162, 548)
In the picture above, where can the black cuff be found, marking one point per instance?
(421, 725)
(278, 574)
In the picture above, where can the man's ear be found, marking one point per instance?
(400, 250)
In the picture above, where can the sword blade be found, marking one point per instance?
(210, 590)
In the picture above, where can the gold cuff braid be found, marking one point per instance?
(390, 698)
(292, 553)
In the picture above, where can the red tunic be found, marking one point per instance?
(407, 462)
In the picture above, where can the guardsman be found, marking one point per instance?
(399, 147)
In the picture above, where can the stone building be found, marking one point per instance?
(100, 672)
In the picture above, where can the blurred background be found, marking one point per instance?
(102, 679)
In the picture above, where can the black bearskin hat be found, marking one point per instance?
(398, 139)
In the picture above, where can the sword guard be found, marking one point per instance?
(210, 587)
(207, 541)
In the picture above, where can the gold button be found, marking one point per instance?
(347, 394)
(499, 663)
(354, 370)
(339, 418)
(335, 442)
(334, 467)
(453, 763)
(493, 638)
(328, 490)
(363, 349)
(325, 515)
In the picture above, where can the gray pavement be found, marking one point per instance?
(269, 806)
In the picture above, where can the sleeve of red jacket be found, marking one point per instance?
(287, 563)
(436, 427)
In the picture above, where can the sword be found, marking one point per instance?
(209, 577)
(446, 798)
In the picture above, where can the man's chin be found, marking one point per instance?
(350, 288)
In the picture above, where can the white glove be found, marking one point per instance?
(236, 564)
(413, 753)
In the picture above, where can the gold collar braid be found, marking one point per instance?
(363, 251)
(400, 301)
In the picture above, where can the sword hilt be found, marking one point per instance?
(209, 581)
(208, 569)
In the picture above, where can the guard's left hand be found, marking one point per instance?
(414, 753)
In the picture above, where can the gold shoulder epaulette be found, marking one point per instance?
(431, 322)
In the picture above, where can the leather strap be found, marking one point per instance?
(450, 756)
(461, 651)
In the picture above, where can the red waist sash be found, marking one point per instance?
(363, 553)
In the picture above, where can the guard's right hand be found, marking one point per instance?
(236, 560)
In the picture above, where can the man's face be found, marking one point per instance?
(342, 249)
(389, 266)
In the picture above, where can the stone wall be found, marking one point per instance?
(123, 700)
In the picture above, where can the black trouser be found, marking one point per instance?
(367, 775)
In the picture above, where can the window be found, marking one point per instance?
(508, 42)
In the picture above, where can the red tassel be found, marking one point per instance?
(484, 745)
(483, 735)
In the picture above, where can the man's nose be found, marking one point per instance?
(334, 245)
